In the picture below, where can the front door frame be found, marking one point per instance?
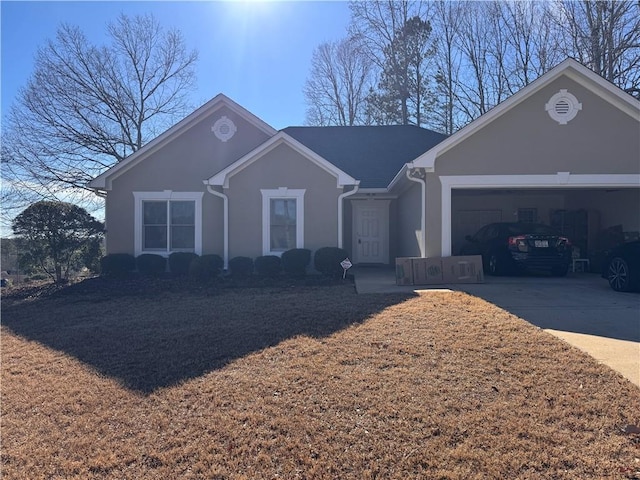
(382, 206)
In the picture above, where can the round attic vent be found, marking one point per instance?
(563, 107)
(224, 128)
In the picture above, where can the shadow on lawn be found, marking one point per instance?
(150, 336)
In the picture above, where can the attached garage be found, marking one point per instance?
(564, 151)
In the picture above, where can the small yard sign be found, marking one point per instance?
(346, 265)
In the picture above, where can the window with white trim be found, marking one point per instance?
(282, 220)
(167, 222)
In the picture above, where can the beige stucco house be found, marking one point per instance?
(223, 181)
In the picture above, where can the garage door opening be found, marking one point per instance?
(594, 219)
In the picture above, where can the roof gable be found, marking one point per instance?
(569, 68)
(372, 154)
(222, 178)
(104, 180)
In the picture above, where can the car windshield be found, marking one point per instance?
(530, 228)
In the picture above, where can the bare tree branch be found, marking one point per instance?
(87, 107)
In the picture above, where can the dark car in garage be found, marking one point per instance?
(519, 247)
(622, 267)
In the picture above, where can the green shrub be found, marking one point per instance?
(39, 276)
(179, 262)
(268, 266)
(327, 260)
(205, 268)
(295, 261)
(151, 265)
(117, 264)
(241, 266)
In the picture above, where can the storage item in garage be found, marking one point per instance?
(427, 271)
(462, 269)
(580, 226)
(404, 271)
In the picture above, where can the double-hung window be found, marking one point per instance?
(167, 222)
(282, 220)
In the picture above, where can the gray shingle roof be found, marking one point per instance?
(374, 154)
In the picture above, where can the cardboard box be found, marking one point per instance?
(462, 269)
(427, 271)
(404, 271)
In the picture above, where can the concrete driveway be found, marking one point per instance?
(580, 309)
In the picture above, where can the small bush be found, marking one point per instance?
(39, 276)
(179, 262)
(241, 266)
(327, 260)
(117, 264)
(268, 266)
(151, 265)
(205, 268)
(295, 261)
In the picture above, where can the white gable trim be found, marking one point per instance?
(222, 178)
(570, 68)
(564, 180)
(103, 181)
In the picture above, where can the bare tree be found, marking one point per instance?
(338, 84)
(605, 36)
(87, 107)
(474, 95)
(446, 25)
(397, 38)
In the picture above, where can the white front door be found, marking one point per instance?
(371, 231)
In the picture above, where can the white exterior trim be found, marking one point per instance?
(423, 212)
(222, 177)
(225, 224)
(341, 198)
(570, 68)
(103, 181)
(573, 106)
(166, 195)
(287, 194)
(559, 180)
(224, 134)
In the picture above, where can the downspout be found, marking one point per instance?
(423, 222)
(341, 197)
(225, 223)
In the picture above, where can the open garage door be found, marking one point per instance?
(594, 219)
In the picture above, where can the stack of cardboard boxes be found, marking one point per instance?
(438, 270)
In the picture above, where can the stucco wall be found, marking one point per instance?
(408, 223)
(180, 165)
(600, 139)
(281, 167)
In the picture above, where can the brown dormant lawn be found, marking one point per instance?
(130, 381)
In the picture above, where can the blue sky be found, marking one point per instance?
(257, 53)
